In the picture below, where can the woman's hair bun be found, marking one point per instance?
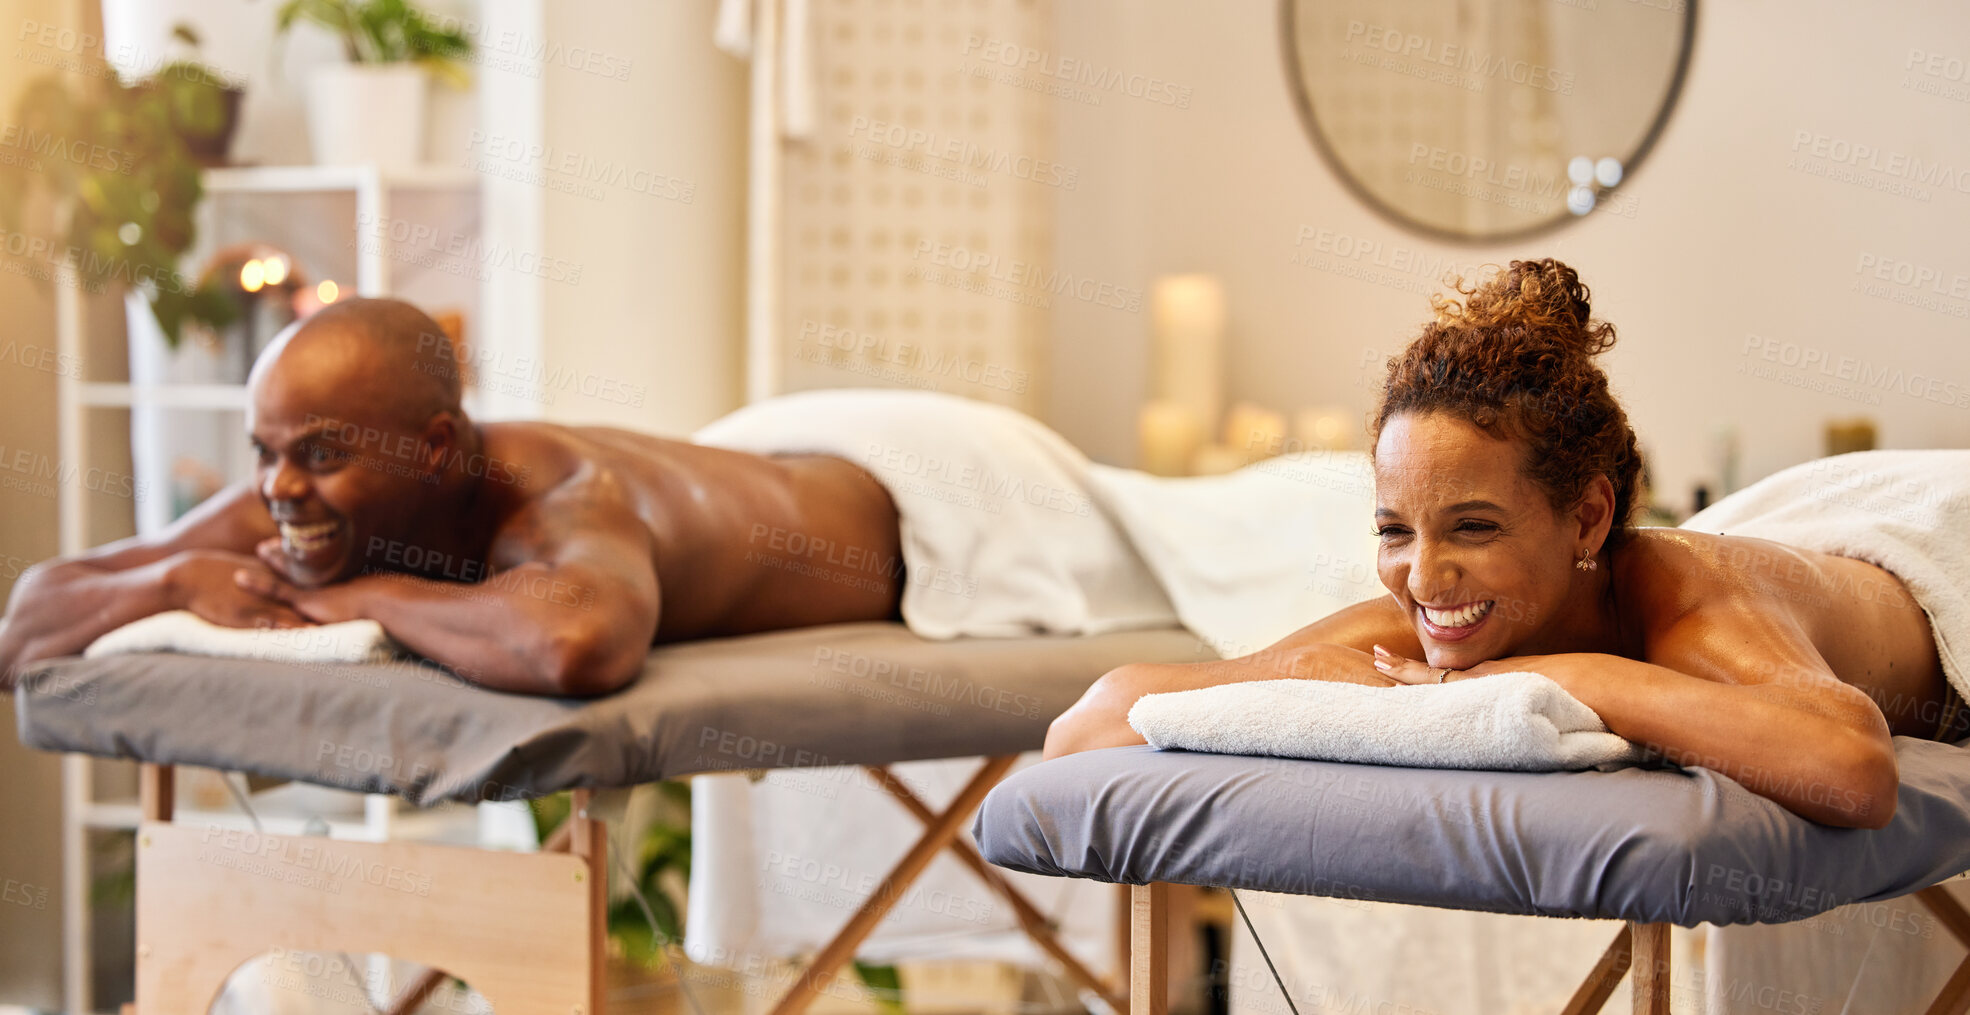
(1541, 300)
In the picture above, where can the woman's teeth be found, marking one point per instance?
(307, 538)
(1462, 616)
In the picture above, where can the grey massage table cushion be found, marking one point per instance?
(846, 694)
(1651, 845)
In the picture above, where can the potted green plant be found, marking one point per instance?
(115, 160)
(371, 109)
(204, 100)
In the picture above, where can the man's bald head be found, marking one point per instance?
(365, 354)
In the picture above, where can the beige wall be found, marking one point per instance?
(1726, 241)
(30, 788)
(643, 327)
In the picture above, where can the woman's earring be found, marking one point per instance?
(1586, 561)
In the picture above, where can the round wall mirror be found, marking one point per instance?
(1487, 119)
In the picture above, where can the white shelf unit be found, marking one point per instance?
(373, 189)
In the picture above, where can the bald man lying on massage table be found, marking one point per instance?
(376, 497)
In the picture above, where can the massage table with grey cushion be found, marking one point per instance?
(1650, 846)
(857, 694)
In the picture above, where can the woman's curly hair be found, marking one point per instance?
(1514, 356)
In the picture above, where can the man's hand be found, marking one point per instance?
(209, 583)
(322, 604)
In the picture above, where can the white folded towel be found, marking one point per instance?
(1519, 722)
(352, 641)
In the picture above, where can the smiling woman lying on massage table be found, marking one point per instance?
(1505, 480)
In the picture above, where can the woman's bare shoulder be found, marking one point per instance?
(1666, 574)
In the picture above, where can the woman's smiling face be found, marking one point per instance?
(1471, 547)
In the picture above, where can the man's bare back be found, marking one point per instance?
(740, 543)
(526, 556)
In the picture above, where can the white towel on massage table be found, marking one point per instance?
(353, 641)
(1519, 722)
(1001, 532)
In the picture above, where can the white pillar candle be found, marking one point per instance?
(1326, 428)
(1188, 316)
(1167, 434)
(1254, 431)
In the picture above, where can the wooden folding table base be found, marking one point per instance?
(1642, 948)
(526, 930)
(940, 833)
(1954, 999)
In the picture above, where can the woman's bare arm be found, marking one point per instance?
(1336, 647)
(1739, 689)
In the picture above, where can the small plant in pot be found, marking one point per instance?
(371, 109)
(204, 100)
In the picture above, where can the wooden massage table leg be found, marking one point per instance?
(524, 929)
(1149, 949)
(1954, 999)
(1031, 920)
(1641, 948)
(938, 834)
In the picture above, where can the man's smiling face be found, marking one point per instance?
(342, 460)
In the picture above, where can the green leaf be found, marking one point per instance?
(885, 986)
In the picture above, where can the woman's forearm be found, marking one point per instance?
(1816, 746)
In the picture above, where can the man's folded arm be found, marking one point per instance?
(59, 606)
(575, 618)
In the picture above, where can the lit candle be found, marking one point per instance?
(1168, 434)
(1325, 428)
(1254, 431)
(1188, 313)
